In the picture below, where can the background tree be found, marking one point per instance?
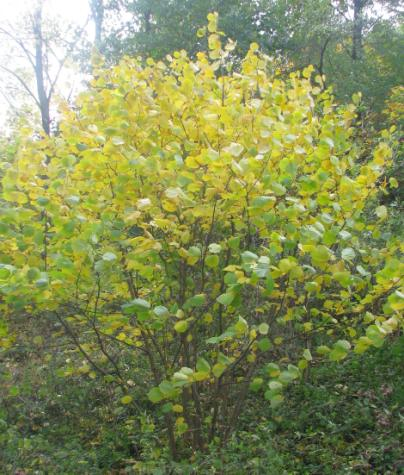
(36, 59)
(97, 14)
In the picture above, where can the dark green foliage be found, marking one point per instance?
(158, 28)
(348, 418)
(345, 418)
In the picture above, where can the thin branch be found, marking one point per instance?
(22, 82)
(76, 341)
(62, 62)
(20, 43)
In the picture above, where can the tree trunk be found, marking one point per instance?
(39, 71)
(97, 11)
(357, 32)
(147, 21)
(322, 54)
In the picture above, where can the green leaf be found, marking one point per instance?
(262, 268)
(235, 149)
(343, 344)
(286, 265)
(226, 299)
(126, 399)
(109, 257)
(263, 328)
(181, 326)
(278, 189)
(312, 286)
(136, 305)
(277, 400)
(249, 257)
(212, 261)
(218, 369)
(155, 395)
(14, 391)
(376, 335)
(340, 350)
(42, 201)
(330, 237)
(81, 147)
(269, 284)
(234, 242)
(195, 301)
(286, 377)
(241, 326)
(222, 358)
(194, 251)
(167, 388)
(215, 248)
(180, 377)
(393, 182)
(381, 212)
(73, 199)
(118, 140)
(343, 278)
(229, 333)
(273, 370)
(348, 254)
(344, 235)
(161, 311)
(362, 271)
(256, 384)
(32, 274)
(5, 271)
(323, 350)
(275, 386)
(320, 255)
(202, 365)
(294, 370)
(264, 344)
(261, 201)
(42, 282)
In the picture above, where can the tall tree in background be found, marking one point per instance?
(155, 28)
(38, 55)
(97, 13)
(358, 7)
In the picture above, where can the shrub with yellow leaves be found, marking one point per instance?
(205, 222)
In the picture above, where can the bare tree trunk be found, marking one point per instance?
(36, 54)
(39, 71)
(357, 33)
(97, 11)
(147, 21)
(322, 54)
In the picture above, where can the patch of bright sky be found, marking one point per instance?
(70, 10)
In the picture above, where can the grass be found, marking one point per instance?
(346, 418)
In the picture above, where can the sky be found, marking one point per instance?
(71, 10)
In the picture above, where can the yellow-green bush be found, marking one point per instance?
(207, 222)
